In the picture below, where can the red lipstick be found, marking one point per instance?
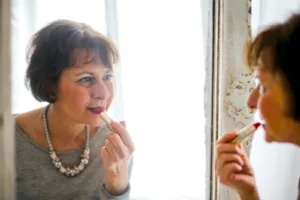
(245, 132)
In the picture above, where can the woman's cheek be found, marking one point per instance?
(272, 114)
(75, 97)
(111, 89)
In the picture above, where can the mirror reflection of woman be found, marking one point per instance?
(274, 53)
(65, 150)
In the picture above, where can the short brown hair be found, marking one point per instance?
(56, 47)
(283, 42)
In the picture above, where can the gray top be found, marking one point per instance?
(37, 178)
(298, 198)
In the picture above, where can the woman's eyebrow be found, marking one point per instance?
(84, 72)
(108, 70)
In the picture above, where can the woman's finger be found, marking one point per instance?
(241, 178)
(118, 144)
(228, 137)
(228, 148)
(123, 123)
(228, 158)
(121, 130)
(105, 156)
(227, 170)
(111, 150)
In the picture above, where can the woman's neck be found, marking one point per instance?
(296, 139)
(294, 136)
(65, 134)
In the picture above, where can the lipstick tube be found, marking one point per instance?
(106, 119)
(245, 132)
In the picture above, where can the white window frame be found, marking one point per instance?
(112, 31)
(7, 144)
(231, 30)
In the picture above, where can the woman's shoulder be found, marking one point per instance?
(29, 123)
(28, 118)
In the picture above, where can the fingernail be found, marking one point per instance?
(237, 147)
(237, 144)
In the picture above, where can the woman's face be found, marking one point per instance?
(271, 99)
(83, 91)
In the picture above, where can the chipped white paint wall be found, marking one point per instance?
(235, 81)
(276, 166)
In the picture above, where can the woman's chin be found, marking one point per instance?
(271, 138)
(94, 123)
(268, 138)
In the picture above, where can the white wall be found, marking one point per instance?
(276, 166)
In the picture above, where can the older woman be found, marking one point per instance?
(275, 53)
(65, 151)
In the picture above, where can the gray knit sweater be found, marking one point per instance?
(37, 179)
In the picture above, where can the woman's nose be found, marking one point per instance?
(253, 98)
(100, 91)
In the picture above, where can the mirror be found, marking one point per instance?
(165, 64)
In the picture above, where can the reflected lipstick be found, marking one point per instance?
(245, 132)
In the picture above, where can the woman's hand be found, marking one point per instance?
(233, 168)
(116, 154)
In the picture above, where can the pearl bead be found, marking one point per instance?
(85, 161)
(86, 152)
(57, 164)
(72, 172)
(62, 169)
(53, 156)
(81, 167)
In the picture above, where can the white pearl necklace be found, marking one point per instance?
(69, 171)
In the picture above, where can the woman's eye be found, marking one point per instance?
(107, 77)
(85, 80)
(262, 89)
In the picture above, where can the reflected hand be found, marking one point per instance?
(116, 154)
(233, 168)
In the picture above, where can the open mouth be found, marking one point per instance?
(96, 110)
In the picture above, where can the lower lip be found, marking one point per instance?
(96, 111)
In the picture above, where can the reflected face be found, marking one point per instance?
(272, 106)
(83, 91)
(271, 99)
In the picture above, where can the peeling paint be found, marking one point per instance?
(236, 80)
